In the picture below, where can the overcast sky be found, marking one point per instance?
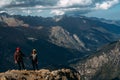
(109, 9)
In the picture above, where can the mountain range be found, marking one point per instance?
(59, 40)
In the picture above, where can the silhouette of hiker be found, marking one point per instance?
(18, 57)
(34, 59)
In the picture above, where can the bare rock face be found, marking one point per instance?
(43, 74)
(11, 21)
(62, 37)
(104, 65)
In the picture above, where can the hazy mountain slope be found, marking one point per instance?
(103, 65)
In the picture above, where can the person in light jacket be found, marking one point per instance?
(34, 59)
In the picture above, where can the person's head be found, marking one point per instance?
(34, 51)
(17, 49)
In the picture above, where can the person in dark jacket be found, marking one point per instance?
(18, 57)
(34, 59)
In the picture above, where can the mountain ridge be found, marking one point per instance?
(104, 65)
(58, 41)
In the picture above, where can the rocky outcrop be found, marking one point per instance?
(62, 37)
(12, 22)
(43, 74)
(104, 65)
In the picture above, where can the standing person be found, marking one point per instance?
(18, 57)
(34, 59)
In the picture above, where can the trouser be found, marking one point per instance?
(21, 65)
(35, 65)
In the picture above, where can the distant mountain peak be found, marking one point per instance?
(11, 21)
(4, 14)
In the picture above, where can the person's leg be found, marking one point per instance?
(22, 63)
(36, 66)
(33, 64)
(19, 65)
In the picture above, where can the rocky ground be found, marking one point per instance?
(43, 74)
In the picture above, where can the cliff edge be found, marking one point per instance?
(43, 74)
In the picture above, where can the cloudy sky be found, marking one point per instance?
(109, 9)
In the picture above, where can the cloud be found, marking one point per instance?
(77, 11)
(57, 12)
(67, 3)
(106, 4)
(39, 6)
(71, 6)
(70, 11)
(39, 11)
(5, 2)
(27, 11)
(56, 7)
(2, 11)
(30, 3)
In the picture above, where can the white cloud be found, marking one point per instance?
(67, 3)
(5, 2)
(58, 7)
(27, 11)
(106, 4)
(17, 3)
(22, 8)
(64, 6)
(39, 11)
(39, 6)
(57, 12)
(2, 11)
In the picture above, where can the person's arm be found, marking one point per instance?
(36, 59)
(15, 57)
